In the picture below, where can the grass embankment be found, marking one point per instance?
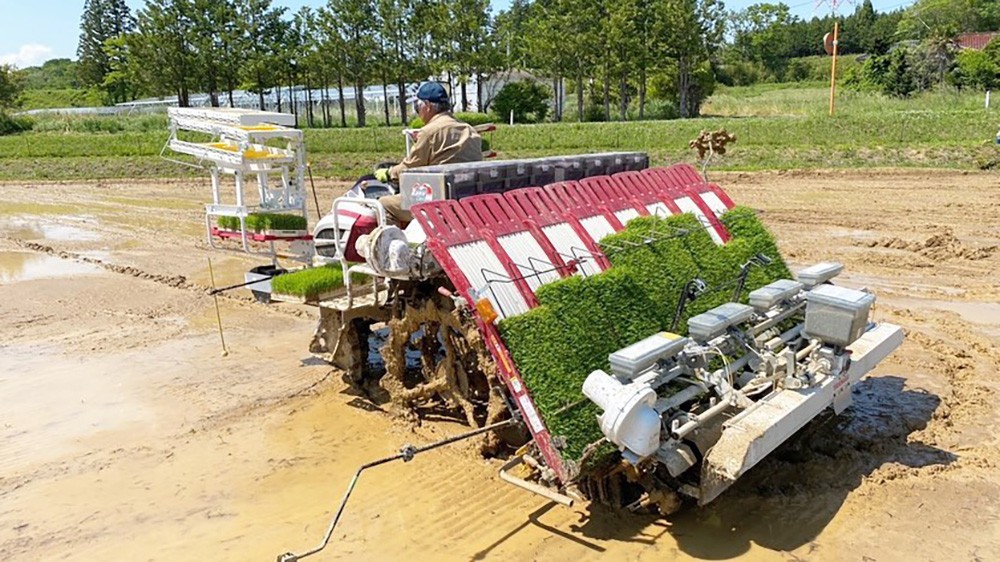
(581, 321)
(778, 127)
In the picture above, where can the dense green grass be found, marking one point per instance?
(45, 98)
(778, 127)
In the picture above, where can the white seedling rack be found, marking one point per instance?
(239, 148)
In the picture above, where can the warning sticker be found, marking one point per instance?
(530, 413)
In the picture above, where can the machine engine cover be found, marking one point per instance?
(820, 273)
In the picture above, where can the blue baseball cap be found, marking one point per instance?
(432, 92)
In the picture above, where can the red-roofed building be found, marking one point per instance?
(975, 40)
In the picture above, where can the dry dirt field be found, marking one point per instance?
(125, 435)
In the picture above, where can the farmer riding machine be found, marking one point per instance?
(643, 329)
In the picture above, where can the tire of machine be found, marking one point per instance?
(464, 379)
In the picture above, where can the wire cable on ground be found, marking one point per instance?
(406, 454)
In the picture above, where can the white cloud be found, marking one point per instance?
(31, 54)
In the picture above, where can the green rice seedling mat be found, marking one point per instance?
(263, 222)
(310, 283)
(583, 320)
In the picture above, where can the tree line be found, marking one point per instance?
(609, 53)
(613, 59)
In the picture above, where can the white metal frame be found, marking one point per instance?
(345, 266)
(244, 133)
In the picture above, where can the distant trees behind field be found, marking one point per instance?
(613, 56)
(595, 60)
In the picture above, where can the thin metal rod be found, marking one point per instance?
(406, 454)
(319, 215)
(231, 287)
(218, 315)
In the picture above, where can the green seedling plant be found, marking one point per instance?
(262, 222)
(310, 283)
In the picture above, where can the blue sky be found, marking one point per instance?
(32, 32)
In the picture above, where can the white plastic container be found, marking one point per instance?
(629, 419)
(643, 354)
(837, 315)
(770, 295)
(819, 273)
(712, 324)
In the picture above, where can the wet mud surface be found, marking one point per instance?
(125, 435)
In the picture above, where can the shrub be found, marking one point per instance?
(743, 73)
(582, 320)
(527, 99)
(11, 124)
(661, 109)
(261, 222)
(976, 69)
(312, 282)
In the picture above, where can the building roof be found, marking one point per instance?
(976, 40)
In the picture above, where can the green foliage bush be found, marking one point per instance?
(527, 99)
(311, 282)
(12, 124)
(975, 70)
(261, 222)
(582, 320)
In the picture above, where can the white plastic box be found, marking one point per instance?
(769, 296)
(837, 315)
(712, 324)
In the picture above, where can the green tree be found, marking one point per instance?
(976, 69)
(123, 77)
(164, 50)
(217, 42)
(526, 99)
(899, 78)
(761, 33)
(53, 73)
(10, 86)
(332, 52)
(695, 28)
(101, 21)
(355, 22)
(263, 32)
(948, 18)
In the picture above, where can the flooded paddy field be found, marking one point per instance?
(125, 435)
